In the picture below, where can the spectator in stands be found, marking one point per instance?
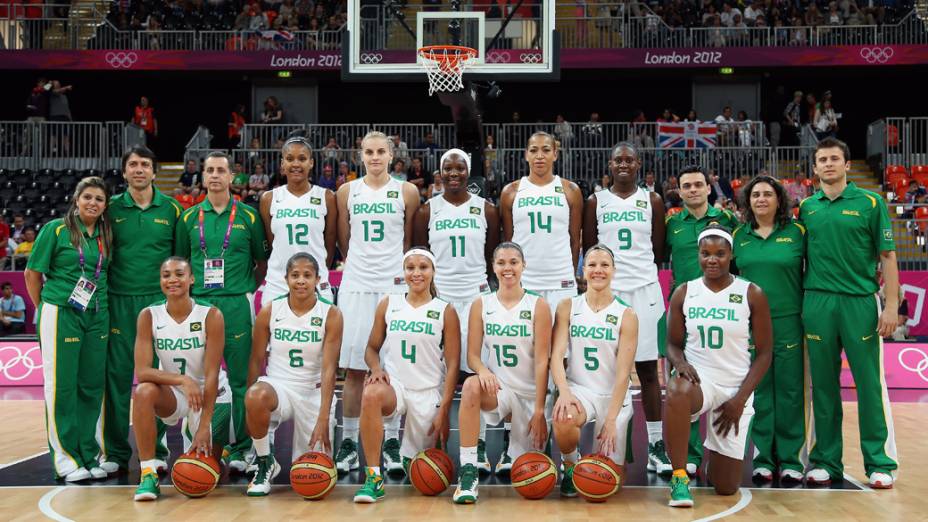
(716, 32)
(258, 182)
(562, 129)
(428, 143)
(728, 14)
(668, 117)
(436, 188)
(726, 127)
(241, 21)
(692, 117)
(144, 117)
(286, 8)
(671, 185)
(185, 199)
(286, 22)
(4, 240)
(37, 104)
(255, 154)
(902, 331)
(236, 124)
(399, 170)
(592, 132)
(826, 121)
(328, 179)
(23, 249)
(191, 177)
(15, 231)
(854, 17)
(752, 11)
(12, 311)
(273, 112)
(799, 189)
(745, 130)
(257, 19)
(720, 188)
(792, 120)
(738, 35)
(813, 16)
(59, 109)
(240, 181)
(834, 17)
(400, 148)
(650, 183)
(331, 152)
(418, 176)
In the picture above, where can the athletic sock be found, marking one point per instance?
(468, 456)
(150, 465)
(569, 459)
(483, 428)
(655, 431)
(680, 473)
(373, 470)
(350, 428)
(392, 429)
(262, 446)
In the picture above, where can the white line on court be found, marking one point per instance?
(742, 503)
(45, 505)
(24, 459)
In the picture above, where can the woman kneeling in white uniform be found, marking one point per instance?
(187, 338)
(712, 320)
(421, 340)
(601, 332)
(300, 335)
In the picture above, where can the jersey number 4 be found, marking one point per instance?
(408, 352)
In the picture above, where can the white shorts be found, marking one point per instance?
(420, 408)
(596, 406)
(463, 310)
(359, 309)
(191, 419)
(521, 408)
(648, 304)
(299, 403)
(553, 297)
(714, 396)
(324, 290)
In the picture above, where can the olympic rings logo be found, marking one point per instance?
(919, 367)
(531, 57)
(121, 60)
(20, 359)
(496, 57)
(877, 54)
(371, 58)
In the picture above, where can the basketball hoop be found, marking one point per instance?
(444, 65)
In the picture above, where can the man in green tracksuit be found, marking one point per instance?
(143, 221)
(681, 245)
(769, 250)
(227, 247)
(849, 233)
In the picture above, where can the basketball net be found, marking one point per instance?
(444, 65)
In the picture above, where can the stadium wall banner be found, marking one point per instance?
(123, 60)
(905, 366)
(19, 288)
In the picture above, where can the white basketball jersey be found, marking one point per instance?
(718, 331)
(298, 225)
(375, 252)
(412, 352)
(509, 336)
(625, 227)
(541, 226)
(457, 237)
(295, 350)
(594, 344)
(181, 347)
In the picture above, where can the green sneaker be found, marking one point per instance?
(268, 469)
(483, 465)
(371, 491)
(657, 459)
(149, 488)
(567, 483)
(680, 495)
(392, 462)
(234, 460)
(346, 458)
(406, 463)
(466, 492)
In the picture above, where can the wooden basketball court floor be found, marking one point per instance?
(28, 492)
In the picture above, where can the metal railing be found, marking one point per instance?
(898, 141)
(62, 145)
(108, 37)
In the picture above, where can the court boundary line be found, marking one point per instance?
(864, 487)
(24, 459)
(742, 503)
(45, 505)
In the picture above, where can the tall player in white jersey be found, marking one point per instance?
(598, 334)
(542, 213)
(299, 336)
(630, 221)
(514, 325)
(375, 216)
(298, 217)
(413, 354)
(461, 229)
(712, 322)
(186, 336)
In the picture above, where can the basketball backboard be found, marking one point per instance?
(514, 40)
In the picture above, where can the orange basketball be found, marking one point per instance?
(431, 471)
(597, 478)
(533, 475)
(313, 475)
(195, 475)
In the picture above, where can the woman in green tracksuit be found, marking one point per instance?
(769, 251)
(73, 254)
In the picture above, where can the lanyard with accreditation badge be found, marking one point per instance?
(214, 268)
(85, 288)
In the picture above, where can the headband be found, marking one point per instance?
(717, 233)
(460, 152)
(419, 252)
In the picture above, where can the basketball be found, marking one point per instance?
(431, 471)
(313, 475)
(597, 478)
(195, 475)
(533, 475)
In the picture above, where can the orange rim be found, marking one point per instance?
(447, 54)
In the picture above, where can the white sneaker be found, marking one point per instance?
(346, 459)
(392, 461)
(790, 475)
(109, 467)
(691, 469)
(818, 477)
(97, 473)
(261, 483)
(504, 466)
(657, 459)
(880, 480)
(762, 474)
(161, 466)
(77, 475)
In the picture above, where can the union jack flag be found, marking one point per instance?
(688, 135)
(276, 36)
